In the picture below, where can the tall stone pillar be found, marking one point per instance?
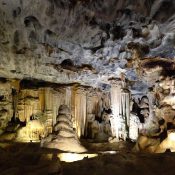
(48, 108)
(48, 99)
(120, 103)
(68, 95)
(80, 110)
(42, 99)
(116, 108)
(15, 85)
(93, 102)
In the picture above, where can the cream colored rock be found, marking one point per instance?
(33, 131)
(146, 144)
(62, 125)
(64, 137)
(168, 143)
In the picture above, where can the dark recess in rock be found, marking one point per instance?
(16, 12)
(31, 20)
(16, 38)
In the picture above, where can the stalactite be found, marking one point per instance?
(120, 102)
(48, 112)
(15, 85)
(48, 99)
(116, 106)
(106, 100)
(68, 96)
(98, 103)
(28, 104)
(80, 111)
(93, 102)
(128, 108)
(6, 105)
(42, 99)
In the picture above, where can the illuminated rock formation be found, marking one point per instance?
(80, 111)
(64, 137)
(33, 131)
(168, 143)
(120, 101)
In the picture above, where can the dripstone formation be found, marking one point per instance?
(63, 137)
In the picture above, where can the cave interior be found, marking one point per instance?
(87, 87)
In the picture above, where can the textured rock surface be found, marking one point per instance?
(84, 41)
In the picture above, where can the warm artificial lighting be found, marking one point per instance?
(72, 157)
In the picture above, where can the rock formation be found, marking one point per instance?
(63, 137)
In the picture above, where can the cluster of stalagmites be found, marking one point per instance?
(63, 137)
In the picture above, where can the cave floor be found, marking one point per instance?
(111, 158)
(124, 164)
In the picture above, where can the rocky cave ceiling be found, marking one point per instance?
(90, 42)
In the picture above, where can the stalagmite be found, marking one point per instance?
(59, 98)
(63, 136)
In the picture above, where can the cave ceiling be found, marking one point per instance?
(88, 41)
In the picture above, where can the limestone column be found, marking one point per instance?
(125, 103)
(48, 99)
(120, 103)
(15, 85)
(93, 102)
(48, 108)
(68, 96)
(80, 110)
(42, 99)
(116, 108)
